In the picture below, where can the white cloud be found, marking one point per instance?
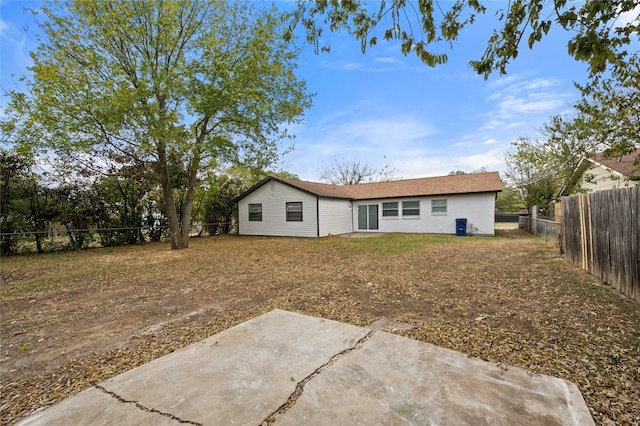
(387, 60)
(14, 46)
(628, 17)
(443, 164)
(352, 66)
(360, 131)
(520, 97)
(370, 134)
(535, 84)
(492, 124)
(511, 106)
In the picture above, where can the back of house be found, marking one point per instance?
(287, 207)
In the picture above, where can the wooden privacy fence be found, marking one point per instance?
(601, 234)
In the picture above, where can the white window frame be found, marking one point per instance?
(388, 210)
(439, 207)
(411, 211)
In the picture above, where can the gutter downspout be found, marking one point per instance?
(318, 216)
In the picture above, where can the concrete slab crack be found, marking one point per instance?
(291, 401)
(147, 409)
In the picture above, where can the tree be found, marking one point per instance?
(508, 200)
(219, 208)
(172, 86)
(346, 172)
(541, 168)
(533, 181)
(598, 35)
(482, 169)
(611, 108)
(26, 203)
(13, 175)
(565, 143)
(352, 172)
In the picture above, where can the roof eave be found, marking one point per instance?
(440, 194)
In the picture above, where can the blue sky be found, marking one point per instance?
(385, 109)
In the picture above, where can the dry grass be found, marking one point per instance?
(71, 320)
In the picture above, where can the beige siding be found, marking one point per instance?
(273, 196)
(600, 178)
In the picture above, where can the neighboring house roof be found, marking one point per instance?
(623, 165)
(441, 185)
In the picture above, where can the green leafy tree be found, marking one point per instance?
(79, 209)
(565, 142)
(541, 168)
(13, 211)
(508, 200)
(171, 85)
(219, 208)
(27, 205)
(611, 108)
(536, 184)
(597, 34)
(123, 198)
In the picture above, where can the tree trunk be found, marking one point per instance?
(177, 239)
(187, 207)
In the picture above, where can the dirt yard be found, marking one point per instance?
(71, 320)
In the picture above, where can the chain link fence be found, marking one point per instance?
(59, 238)
(548, 229)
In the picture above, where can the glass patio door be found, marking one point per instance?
(368, 217)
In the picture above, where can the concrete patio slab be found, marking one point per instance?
(394, 380)
(289, 368)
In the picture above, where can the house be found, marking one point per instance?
(599, 173)
(287, 207)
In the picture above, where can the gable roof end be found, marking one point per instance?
(623, 165)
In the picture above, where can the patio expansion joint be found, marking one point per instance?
(297, 393)
(143, 408)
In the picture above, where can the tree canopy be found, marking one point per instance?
(598, 34)
(542, 167)
(167, 86)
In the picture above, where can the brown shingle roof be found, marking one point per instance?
(441, 185)
(622, 164)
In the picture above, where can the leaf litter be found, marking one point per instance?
(73, 320)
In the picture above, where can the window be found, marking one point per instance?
(411, 208)
(390, 209)
(294, 212)
(255, 212)
(438, 206)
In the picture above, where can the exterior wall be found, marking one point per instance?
(600, 178)
(478, 209)
(335, 217)
(273, 196)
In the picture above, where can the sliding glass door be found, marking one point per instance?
(368, 217)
